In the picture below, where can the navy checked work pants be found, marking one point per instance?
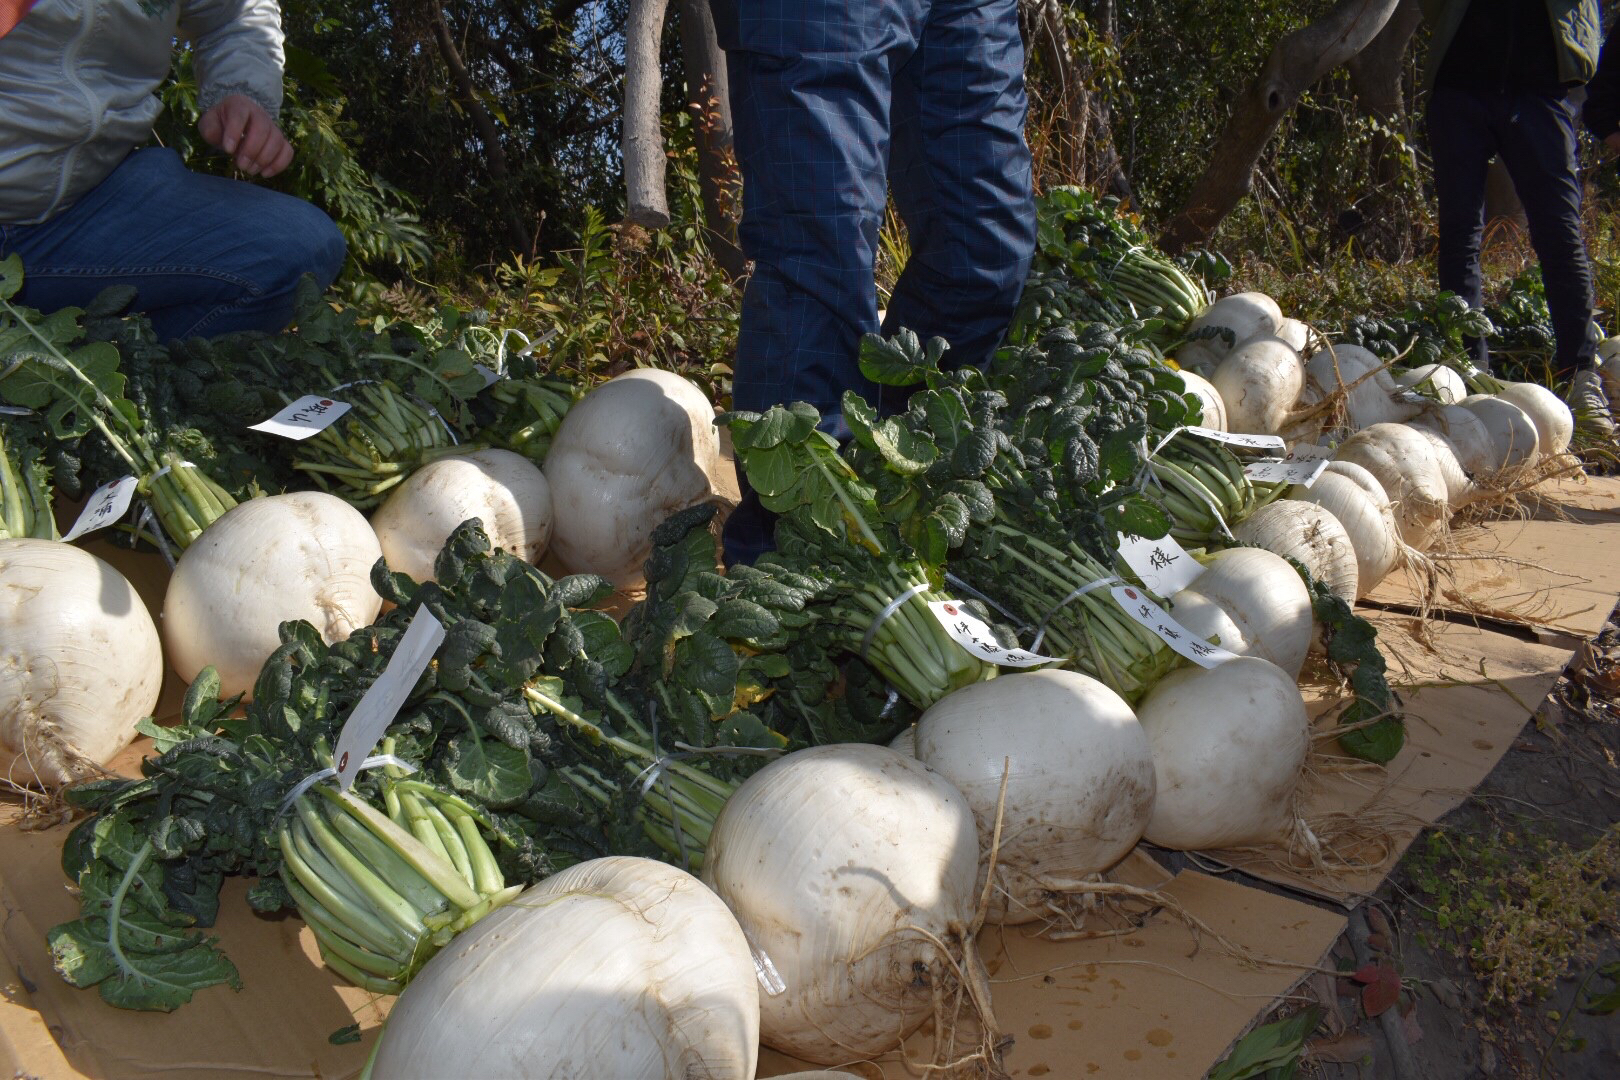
(1535, 135)
(836, 103)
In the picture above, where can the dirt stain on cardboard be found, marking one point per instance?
(1041, 1031)
(1160, 1037)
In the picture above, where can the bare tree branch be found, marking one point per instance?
(1297, 61)
(643, 139)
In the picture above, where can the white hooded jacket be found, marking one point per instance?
(78, 81)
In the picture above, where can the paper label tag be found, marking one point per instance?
(1304, 463)
(974, 635)
(1178, 637)
(1162, 565)
(309, 415)
(491, 376)
(1233, 438)
(381, 702)
(109, 503)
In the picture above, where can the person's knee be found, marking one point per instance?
(313, 245)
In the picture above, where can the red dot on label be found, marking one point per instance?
(326, 401)
(343, 762)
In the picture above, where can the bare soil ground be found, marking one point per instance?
(1500, 922)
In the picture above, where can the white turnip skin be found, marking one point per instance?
(1434, 380)
(1368, 522)
(1208, 620)
(1209, 398)
(1555, 423)
(1514, 437)
(1079, 780)
(1405, 465)
(1229, 744)
(1309, 533)
(836, 860)
(613, 967)
(80, 663)
(305, 555)
(1459, 488)
(1247, 315)
(635, 450)
(1295, 333)
(1259, 383)
(1467, 434)
(1265, 597)
(1370, 399)
(506, 492)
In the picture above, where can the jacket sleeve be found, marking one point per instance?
(1602, 109)
(238, 47)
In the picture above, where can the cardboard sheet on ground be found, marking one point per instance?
(1551, 570)
(1468, 692)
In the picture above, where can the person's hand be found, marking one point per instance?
(240, 127)
(1612, 141)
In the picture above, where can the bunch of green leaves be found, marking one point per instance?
(1022, 481)
(1523, 342)
(79, 389)
(1105, 251)
(1430, 331)
(1373, 715)
(873, 585)
(25, 479)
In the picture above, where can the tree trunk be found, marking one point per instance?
(1110, 167)
(643, 142)
(1375, 72)
(708, 93)
(1296, 63)
(488, 133)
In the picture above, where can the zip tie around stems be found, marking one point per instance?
(1040, 630)
(14, 410)
(886, 614)
(375, 761)
(430, 409)
(170, 468)
(770, 980)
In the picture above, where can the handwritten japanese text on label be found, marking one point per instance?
(1233, 438)
(309, 415)
(1178, 637)
(107, 505)
(1162, 565)
(974, 635)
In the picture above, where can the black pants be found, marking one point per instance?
(1535, 135)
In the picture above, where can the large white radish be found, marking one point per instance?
(1259, 383)
(1229, 744)
(1459, 488)
(613, 967)
(1208, 620)
(1434, 380)
(305, 555)
(1371, 390)
(1214, 410)
(1367, 521)
(635, 450)
(1244, 316)
(1079, 780)
(506, 492)
(1309, 533)
(1264, 597)
(845, 865)
(1467, 434)
(1555, 423)
(1296, 333)
(80, 663)
(1514, 437)
(1404, 464)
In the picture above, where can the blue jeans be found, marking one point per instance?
(206, 255)
(1535, 136)
(834, 105)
